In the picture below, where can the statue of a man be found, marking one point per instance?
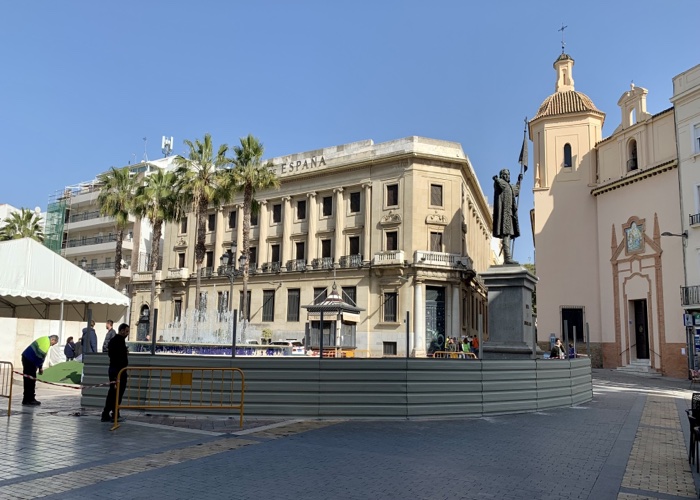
(505, 212)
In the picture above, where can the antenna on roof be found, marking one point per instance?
(562, 36)
(145, 145)
(166, 145)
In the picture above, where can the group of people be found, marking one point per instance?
(34, 355)
(558, 351)
(467, 344)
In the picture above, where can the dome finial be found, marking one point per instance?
(562, 37)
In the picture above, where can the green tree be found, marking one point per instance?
(199, 183)
(24, 223)
(115, 200)
(250, 175)
(157, 200)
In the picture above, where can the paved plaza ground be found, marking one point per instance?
(629, 443)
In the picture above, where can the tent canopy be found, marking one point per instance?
(34, 281)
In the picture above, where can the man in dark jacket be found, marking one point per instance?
(89, 340)
(118, 359)
(109, 336)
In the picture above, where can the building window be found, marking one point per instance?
(325, 248)
(253, 257)
(354, 244)
(108, 262)
(209, 259)
(301, 210)
(435, 241)
(436, 195)
(392, 241)
(632, 155)
(389, 348)
(567, 155)
(327, 203)
(275, 251)
(232, 216)
(293, 303)
(320, 295)
(276, 213)
(254, 219)
(177, 311)
(181, 260)
(240, 306)
(350, 295)
(392, 195)
(390, 307)
(299, 247)
(696, 138)
(268, 313)
(355, 202)
(211, 225)
(183, 225)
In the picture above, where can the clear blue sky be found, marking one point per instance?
(83, 81)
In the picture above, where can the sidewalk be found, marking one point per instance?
(628, 443)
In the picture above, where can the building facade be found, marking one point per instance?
(76, 230)
(398, 226)
(603, 210)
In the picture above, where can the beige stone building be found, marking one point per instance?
(398, 226)
(601, 208)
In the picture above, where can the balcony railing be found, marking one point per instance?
(91, 241)
(296, 265)
(442, 259)
(351, 261)
(270, 267)
(690, 295)
(102, 266)
(85, 216)
(391, 257)
(178, 273)
(322, 263)
(694, 219)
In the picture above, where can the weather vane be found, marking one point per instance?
(562, 36)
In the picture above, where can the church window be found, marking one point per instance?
(696, 138)
(567, 155)
(632, 155)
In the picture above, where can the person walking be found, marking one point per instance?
(118, 359)
(32, 360)
(69, 350)
(109, 336)
(89, 340)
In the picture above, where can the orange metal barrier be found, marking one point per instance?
(454, 355)
(167, 388)
(6, 370)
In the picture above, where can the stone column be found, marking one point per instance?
(264, 222)
(367, 231)
(239, 230)
(338, 244)
(286, 230)
(312, 217)
(219, 241)
(455, 309)
(418, 319)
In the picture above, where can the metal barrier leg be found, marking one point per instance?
(116, 401)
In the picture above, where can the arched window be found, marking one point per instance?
(631, 155)
(567, 155)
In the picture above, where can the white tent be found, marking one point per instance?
(37, 283)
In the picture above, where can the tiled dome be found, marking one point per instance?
(562, 103)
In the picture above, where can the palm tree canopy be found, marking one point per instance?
(157, 198)
(22, 224)
(116, 195)
(199, 174)
(249, 171)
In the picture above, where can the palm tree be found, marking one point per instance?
(199, 183)
(250, 175)
(115, 200)
(157, 200)
(22, 224)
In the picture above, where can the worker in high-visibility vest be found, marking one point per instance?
(32, 360)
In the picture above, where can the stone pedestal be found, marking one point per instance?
(511, 331)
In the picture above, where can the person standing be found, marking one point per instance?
(118, 359)
(69, 350)
(110, 334)
(32, 360)
(505, 212)
(475, 345)
(89, 340)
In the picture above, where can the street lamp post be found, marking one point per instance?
(228, 269)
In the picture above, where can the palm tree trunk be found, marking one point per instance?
(247, 208)
(155, 254)
(118, 258)
(200, 248)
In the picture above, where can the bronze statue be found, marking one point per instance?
(505, 212)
